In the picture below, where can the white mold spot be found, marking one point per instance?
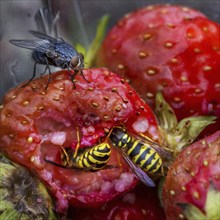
(124, 181)
(141, 125)
(106, 187)
(129, 198)
(153, 131)
(58, 138)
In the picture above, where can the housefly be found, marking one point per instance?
(52, 51)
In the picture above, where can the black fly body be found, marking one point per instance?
(48, 51)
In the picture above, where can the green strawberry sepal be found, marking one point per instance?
(177, 135)
(211, 208)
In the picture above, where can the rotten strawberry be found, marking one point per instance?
(36, 123)
(140, 203)
(192, 186)
(22, 195)
(171, 49)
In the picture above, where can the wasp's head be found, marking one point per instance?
(77, 62)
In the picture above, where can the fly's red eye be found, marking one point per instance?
(74, 61)
(81, 56)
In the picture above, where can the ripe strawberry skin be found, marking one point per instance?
(193, 174)
(35, 123)
(159, 50)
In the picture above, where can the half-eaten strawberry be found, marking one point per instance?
(36, 123)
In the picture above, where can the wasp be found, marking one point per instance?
(51, 51)
(90, 159)
(143, 155)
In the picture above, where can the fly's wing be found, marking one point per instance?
(36, 45)
(141, 175)
(43, 36)
(46, 21)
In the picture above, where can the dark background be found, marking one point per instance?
(78, 20)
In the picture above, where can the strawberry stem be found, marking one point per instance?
(91, 52)
(165, 113)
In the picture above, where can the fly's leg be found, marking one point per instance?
(33, 76)
(49, 78)
(72, 76)
(81, 73)
(45, 70)
(75, 73)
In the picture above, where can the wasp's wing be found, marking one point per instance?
(165, 153)
(139, 172)
(162, 151)
(37, 45)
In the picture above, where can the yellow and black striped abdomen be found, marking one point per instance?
(94, 158)
(144, 156)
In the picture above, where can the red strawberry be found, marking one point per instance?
(35, 123)
(139, 204)
(192, 187)
(159, 50)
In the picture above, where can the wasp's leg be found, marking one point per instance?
(33, 76)
(106, 167)
(119, 161)
(65, 157)
(78, 142)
